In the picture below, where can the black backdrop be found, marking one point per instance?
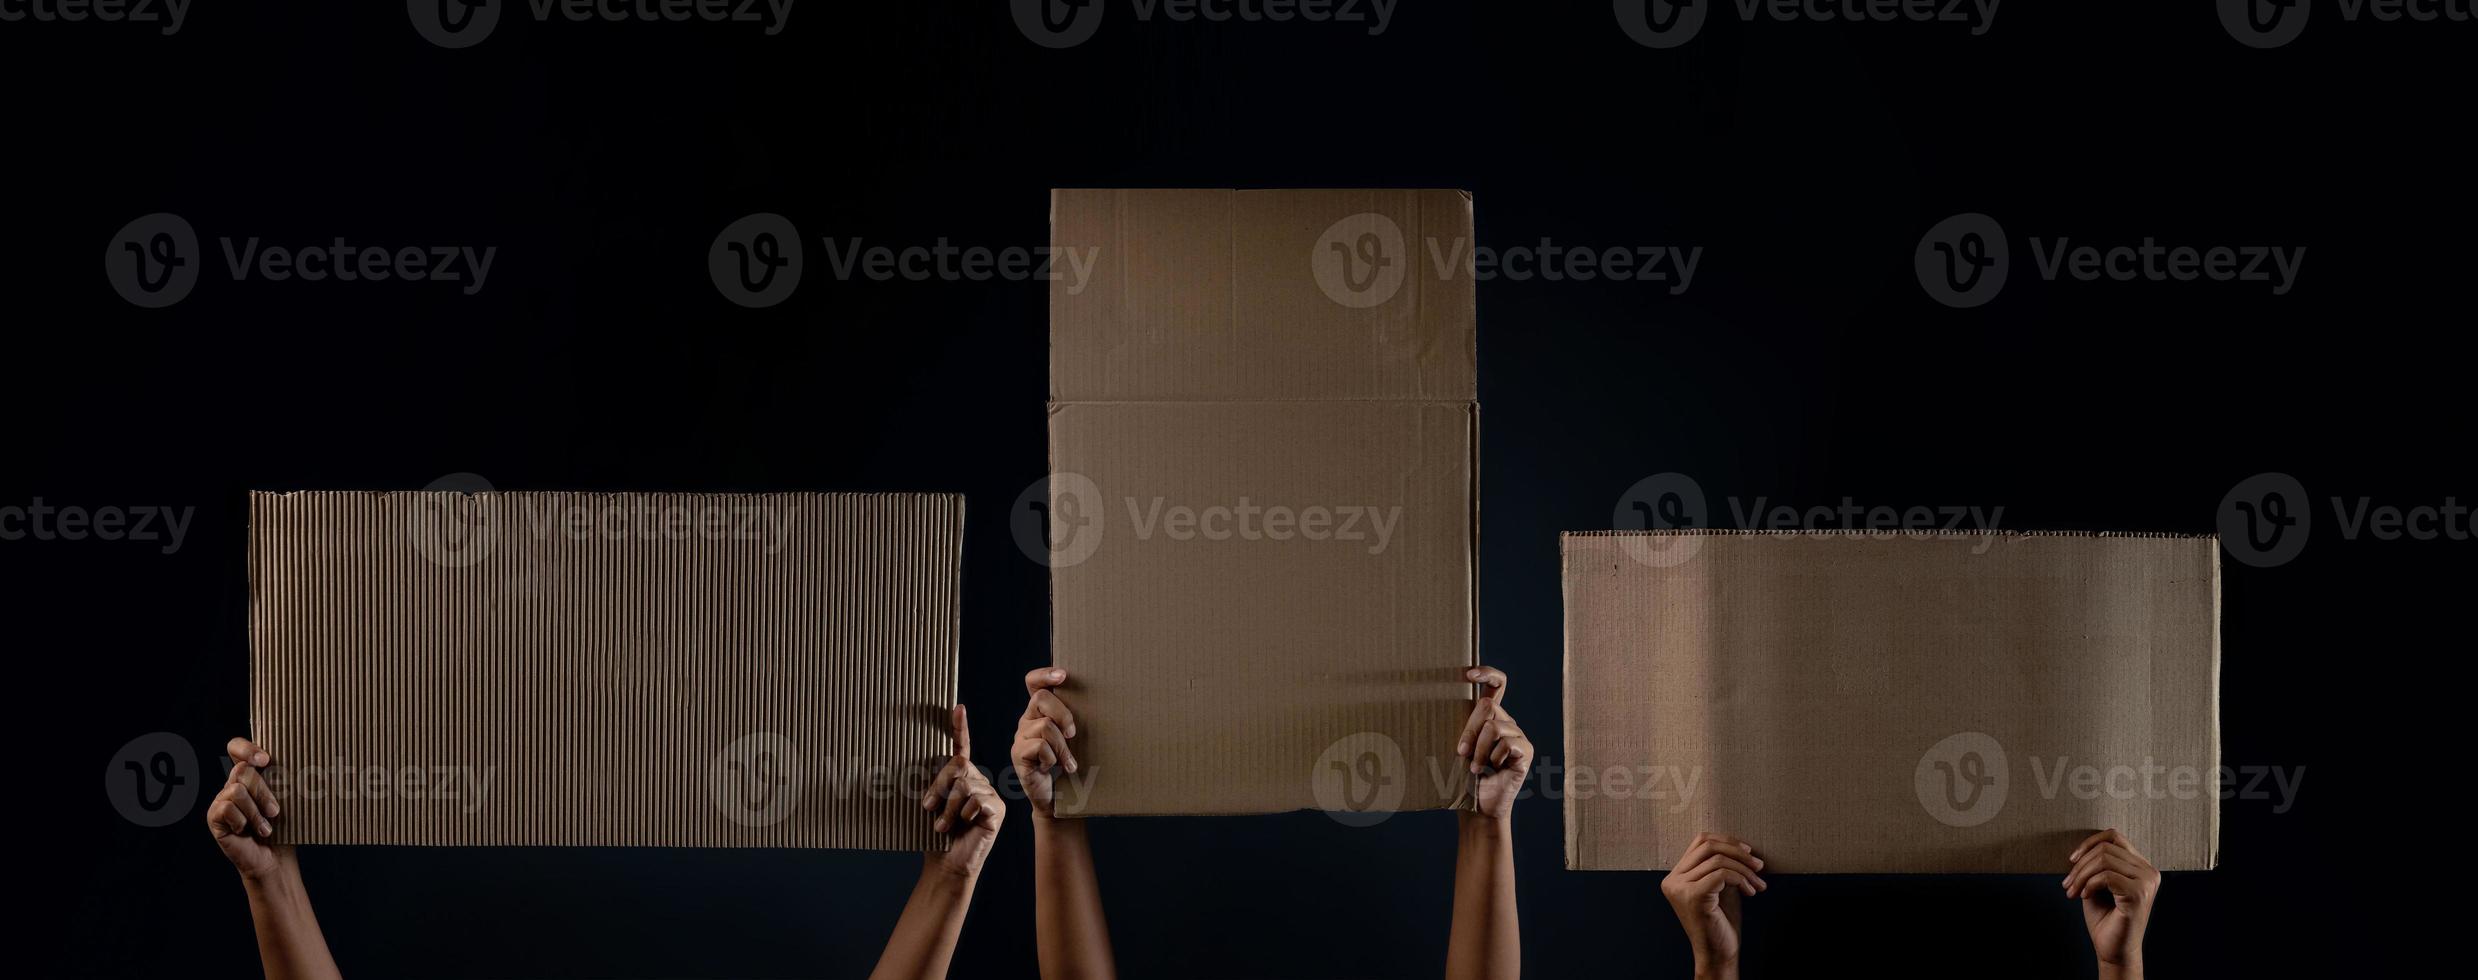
(1805, 365)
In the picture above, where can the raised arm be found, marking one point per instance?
(961, 802)
(243, 818)
(1486, 941)
(1072, 937)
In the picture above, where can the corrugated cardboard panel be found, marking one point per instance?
(703, 670)
(1214, 295)
(1265, 581)
(1855, 702)
(1294, 372)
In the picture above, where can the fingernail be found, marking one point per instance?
(258, 760)
(1463, 747)
(941, 825)
(1071, 731)
(1071, 765)
(1058, 675)
(274, 811)
(266, 829)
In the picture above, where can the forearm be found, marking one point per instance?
(1486, 941)
(924, 939)
(290, 946)
(1072, 937)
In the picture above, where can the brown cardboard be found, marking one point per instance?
(1822, 695)
(700, 670)
(1212, 365)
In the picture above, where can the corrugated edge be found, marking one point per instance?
(2211, 847)
(1895, 533)
(1566, 690)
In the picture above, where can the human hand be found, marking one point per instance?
(1493, 746)
(1704, 888)
(966, 805)
(1041, 736)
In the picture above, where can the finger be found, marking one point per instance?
(1696, 852)
(1483, 743)
(1513, 751)
(1041, 679)
(962, 732)
(1723, 862)
(1054, 740)
(939, 786)
(225, 819)
(256, 785)
(244, 750)
(1710, 846)
(2095, 862)
(2109, 836)
(2110, 883)
(1492, 682)
(1723, 880)
(248, 806)
(955, 800)
(1030, 750)
(1047, 705)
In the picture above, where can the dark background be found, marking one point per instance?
(1805, 365)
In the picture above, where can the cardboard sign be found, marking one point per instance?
(1911, 703)
(682, 670)
(1262, 508)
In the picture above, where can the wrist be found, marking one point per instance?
(2127, 968)
(1707, 968)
